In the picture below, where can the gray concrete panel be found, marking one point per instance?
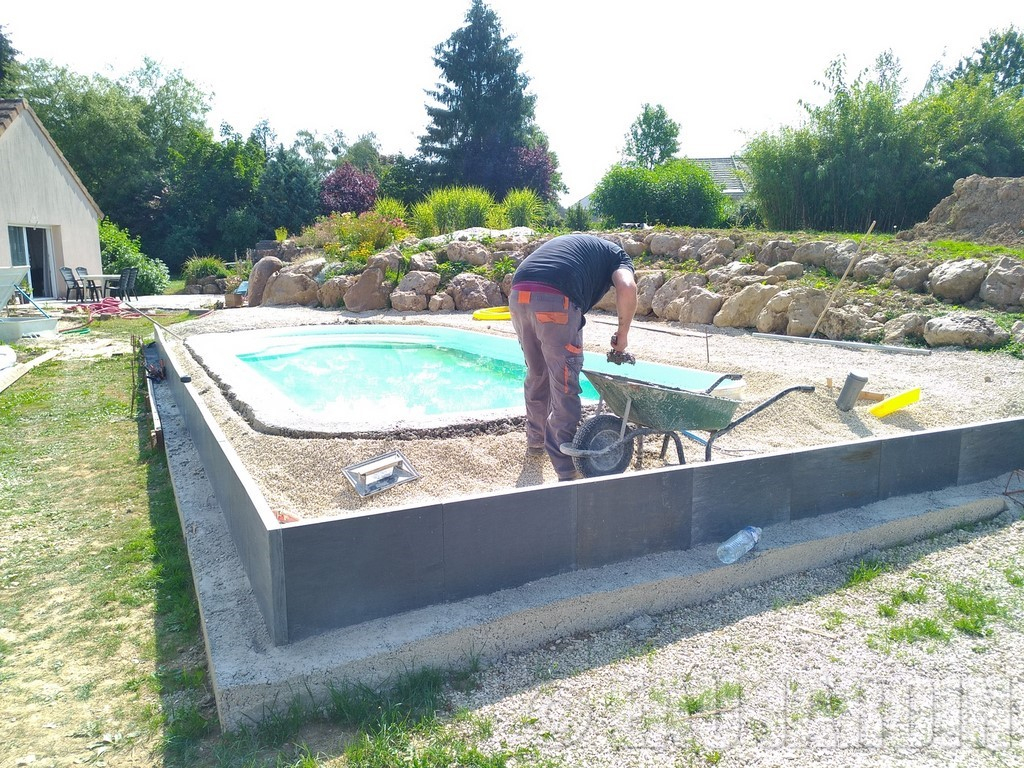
(344, 571)
(633, 515)
(922, 461)
(991, 449)
(506, 540)
(838, 477)
(729, 495)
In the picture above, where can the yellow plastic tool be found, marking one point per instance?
(894, 403)
(493, 313)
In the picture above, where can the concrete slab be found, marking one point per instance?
(252, 677)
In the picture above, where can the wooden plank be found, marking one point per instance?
(15, 372)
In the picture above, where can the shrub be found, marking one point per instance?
(281, 234)
(118, 250)
(675, 193)
(390, 208)
(523, 207)
(348, 190)
(198, 267)
(448, 209)
(577, 218)
(342, 234)
(449, 269)
(506, 265)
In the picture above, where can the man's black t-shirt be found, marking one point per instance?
(580, 266)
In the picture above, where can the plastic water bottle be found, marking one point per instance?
(741, 543)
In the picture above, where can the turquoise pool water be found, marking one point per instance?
(373, 377)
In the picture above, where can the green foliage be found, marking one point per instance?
(281, 234)
(523, 207)
(390, 208)
(865, 571)
(198, 267)
(676, 193)
(652, 139)
(449, 269)
(345, 235)
(1000, 57)
(118, 250)
(506, 265)
(8, 65)
(866, 155)
(577, 218)
(452, 208)
(482, 116)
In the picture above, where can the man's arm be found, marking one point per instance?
(625, 306)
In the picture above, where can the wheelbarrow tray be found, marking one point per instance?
(667, 409)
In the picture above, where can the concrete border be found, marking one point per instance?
(252, 677)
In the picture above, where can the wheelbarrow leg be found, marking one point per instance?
(679, 446)
(771, 400)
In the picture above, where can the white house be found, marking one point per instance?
(49, 216)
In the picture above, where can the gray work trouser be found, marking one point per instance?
(550, 330)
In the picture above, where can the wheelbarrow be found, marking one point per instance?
(604, 444)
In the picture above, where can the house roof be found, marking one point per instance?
(10, 110)
(727, 172)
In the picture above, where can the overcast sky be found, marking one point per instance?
(724, 71)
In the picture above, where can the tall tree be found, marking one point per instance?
(483, 114)
(652, 139)
(8, 64)
(1001, 56)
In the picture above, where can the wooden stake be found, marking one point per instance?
(849, 266)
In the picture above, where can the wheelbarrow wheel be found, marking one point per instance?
(597, 434)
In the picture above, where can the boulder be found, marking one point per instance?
(408, 301)
(647, 285)
(694, 305)
(258, 276)
(957, 281)
(912, 277)
(907, 326)
(1017, 332)
(369, 292)
(441, 302)
(790, 270)
(285, 288)
(813, 254)
(423, 262)
(470, 252)
(874, 266)
(470, 292)
(793, 312)
(775, 251)
(665, 244)
(332, 292)
(838, 258)
(388, 259)
(741, 310)
(849, 323)
(960, 329)
(310, 268)
(672, 289)
(724, 274)
(423, 283)
(1003, 286)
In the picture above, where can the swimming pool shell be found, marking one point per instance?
(270, 410)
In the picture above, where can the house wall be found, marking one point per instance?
(38, 190)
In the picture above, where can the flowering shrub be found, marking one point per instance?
(345, 235)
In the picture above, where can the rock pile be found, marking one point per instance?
(704, 278)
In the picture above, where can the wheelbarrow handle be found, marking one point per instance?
(726, 377)
(770, 401)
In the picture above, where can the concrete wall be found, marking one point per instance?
(37, 189)
(318, 575)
